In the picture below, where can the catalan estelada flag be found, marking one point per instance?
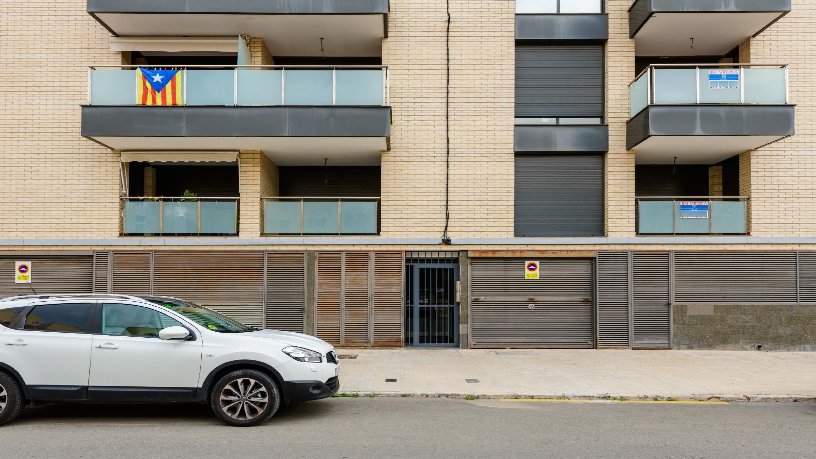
(158, 86)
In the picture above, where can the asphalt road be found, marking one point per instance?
(410, 427)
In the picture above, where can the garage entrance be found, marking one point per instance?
(554, 311)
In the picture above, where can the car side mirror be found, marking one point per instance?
(174, 333)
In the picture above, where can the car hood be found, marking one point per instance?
(294, 339)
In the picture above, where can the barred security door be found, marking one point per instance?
(431, 307)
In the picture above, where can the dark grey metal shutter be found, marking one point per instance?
(559, 81)
(651, 300)
(735, 277)
(508, 310)
(559, 195)
(285, 291)
(613, 300)
(53, 274)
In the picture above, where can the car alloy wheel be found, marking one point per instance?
(244, 399)
(3, 398)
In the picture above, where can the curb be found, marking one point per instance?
(700, 398)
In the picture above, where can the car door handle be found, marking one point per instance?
(17, 342)
(107, 346)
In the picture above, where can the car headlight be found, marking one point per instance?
(303, 355)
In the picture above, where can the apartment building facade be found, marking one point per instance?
(492, 174)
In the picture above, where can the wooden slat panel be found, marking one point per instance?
(328, 288)
(228, 282)
(101, 261)
(387, 304)
(650, 300)
(131, 273)
(807, 277)
(355, 298)
(613, 300)
(49, 274)
(285, 291)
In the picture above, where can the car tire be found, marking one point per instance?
(11, 399)
(245, 398)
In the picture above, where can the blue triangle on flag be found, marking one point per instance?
(158, 78)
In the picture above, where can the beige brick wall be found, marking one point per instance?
(258, 53)
(481, 117)
(783, 175)
(55, 184)
(249, 188)
(619, 172)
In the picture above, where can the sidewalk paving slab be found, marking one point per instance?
(680, 375)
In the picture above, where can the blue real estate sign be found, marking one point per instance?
(723, 79)
(694, 209)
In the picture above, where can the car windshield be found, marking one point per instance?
(207, 318)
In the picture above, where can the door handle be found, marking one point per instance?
(107, 346)
(17, 342)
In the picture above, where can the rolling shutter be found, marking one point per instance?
(559, 81)
(735, 277)
(387, 307)
(613, 300)
(228, 282)
(508, 310)
(807, 277)
(57, 274)
(650, 300)
(285, 291)
(132, 273)
(559, 195)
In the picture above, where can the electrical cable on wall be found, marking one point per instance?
(445, 238)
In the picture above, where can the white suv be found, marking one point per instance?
(111, 348)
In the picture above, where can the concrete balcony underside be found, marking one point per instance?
(290, 28)
(705, 134)
(351, 136)
(664, 27)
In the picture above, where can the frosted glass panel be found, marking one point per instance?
(536, 6)
(259, 87)
(675, 86)
(720, 86)
(218, 217)
(320, 217)
(359, 87)
(765, 86)
(655, 217)
(729, 217)
(113, 87)
(639, 95)
(282, 217)
(141, 217)
(180, 218)
(358, 217)
(581, 6)
(308, 87)
(210, 87)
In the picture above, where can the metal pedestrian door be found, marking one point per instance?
(431, 304)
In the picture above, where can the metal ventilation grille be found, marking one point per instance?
(386, 306)
(508, 310)
(650, 300)
(356, 301)
(807, 277)
(285, 291)
(101, 272)
(49, 274)
(228, 282)
(734, 277)
(132, 273)
(613, 300)
(328, 286)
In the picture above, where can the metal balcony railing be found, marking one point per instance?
(320, 215)
(179, 216)
(709, 84)
(559, 6)
(251, 85)
(692, 215)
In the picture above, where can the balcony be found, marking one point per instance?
(712, 215)
(320, 216)
(705, 114)
(144, 216)
(297, 115)
(699, 27)
(561, 20)
(345, 28)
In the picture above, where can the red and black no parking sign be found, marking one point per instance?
(531, 269)
(22, 272)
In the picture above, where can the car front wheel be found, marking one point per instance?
(245, 398)
(11, 399)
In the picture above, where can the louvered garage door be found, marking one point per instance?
(229, 282)
(559, 81)
(285, 291)
(559, 195)
(613, 300)
(508, 310)
(650, 297)
(132, 273)
(49, 274)
(359, 298)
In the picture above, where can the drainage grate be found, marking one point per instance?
(347, 356)
(471, 380)
(390, 379)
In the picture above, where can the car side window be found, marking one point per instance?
(8, 315)
(63, 318)
(130, 320)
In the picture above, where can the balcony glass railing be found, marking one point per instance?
(179, 216)
(559, 6)
(316, 216)
(692, 215)
(252, 85)
(709, 84)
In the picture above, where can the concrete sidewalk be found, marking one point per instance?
(681, 375)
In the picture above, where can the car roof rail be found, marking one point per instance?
(46, 296)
